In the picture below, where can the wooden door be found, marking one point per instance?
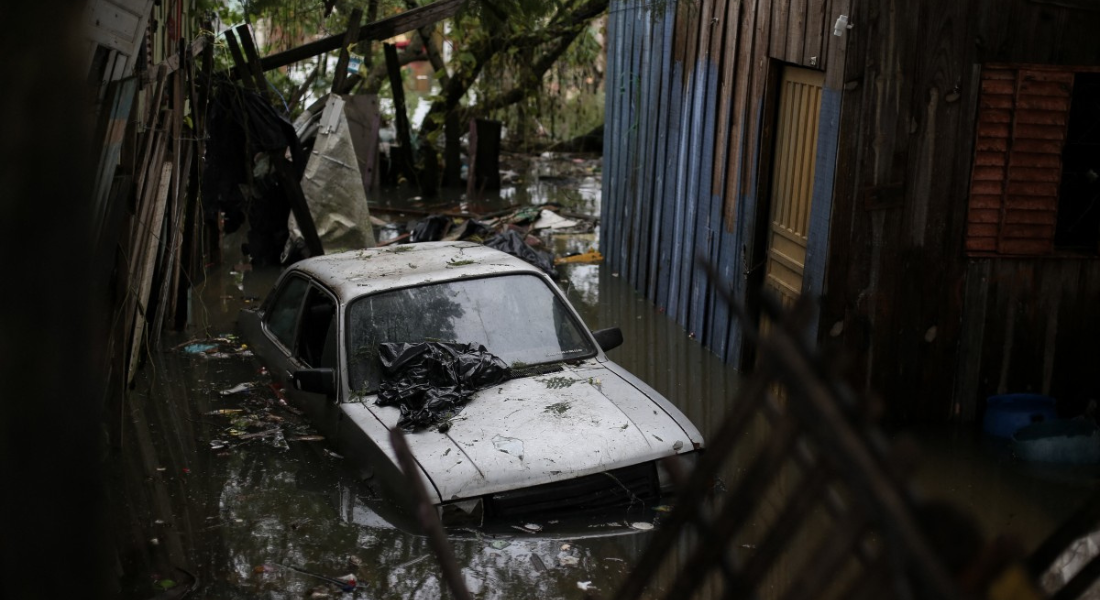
(792, 181)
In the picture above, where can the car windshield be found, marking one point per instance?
(516, 317)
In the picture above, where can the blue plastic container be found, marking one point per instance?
(1008, 413)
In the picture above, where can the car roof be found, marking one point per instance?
(360, 272)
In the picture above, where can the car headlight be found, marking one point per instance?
(686, 463)
(460, 513)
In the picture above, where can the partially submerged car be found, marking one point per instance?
(569, 431)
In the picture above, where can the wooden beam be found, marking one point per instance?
(379, 30)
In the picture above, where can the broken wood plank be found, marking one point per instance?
(341, 74)
(150, 125)
(379, 30)
(145, 277)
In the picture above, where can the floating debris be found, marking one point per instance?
(587, 258)
(528, 528)
(641, 526)
(240, 387)
(536, 562)
(412, 562)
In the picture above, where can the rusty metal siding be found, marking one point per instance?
(1021, 130)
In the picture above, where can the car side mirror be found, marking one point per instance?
(609, 338)
(315, 381)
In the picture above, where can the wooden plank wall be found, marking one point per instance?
(928, 329)
(685, 142)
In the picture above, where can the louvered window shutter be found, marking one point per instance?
(1017, 170)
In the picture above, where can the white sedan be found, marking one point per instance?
(569, 431)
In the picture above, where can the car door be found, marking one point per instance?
(301, 324)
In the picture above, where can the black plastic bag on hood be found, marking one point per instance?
(428, 379)
(512, 242)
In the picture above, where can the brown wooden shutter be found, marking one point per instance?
(1022, 120)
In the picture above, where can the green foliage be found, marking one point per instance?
(515, 35)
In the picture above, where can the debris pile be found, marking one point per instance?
(224, 346)
(521, 232)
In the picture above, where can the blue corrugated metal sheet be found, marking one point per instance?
(664, 205)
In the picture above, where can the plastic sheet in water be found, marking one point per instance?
(426, 380)
(430, 229)
(512, 243)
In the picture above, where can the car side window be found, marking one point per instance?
(317, 335)
(283, 315)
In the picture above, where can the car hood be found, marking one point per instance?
(535, 430)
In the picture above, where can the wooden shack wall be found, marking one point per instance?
(930, 330)
(686, 144)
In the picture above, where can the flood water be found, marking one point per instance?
(272, 516)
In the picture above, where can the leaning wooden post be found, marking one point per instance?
(252, 60)
(404, 138)
(352, 34)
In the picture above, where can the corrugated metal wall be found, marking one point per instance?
(686, 144)
(687, 156)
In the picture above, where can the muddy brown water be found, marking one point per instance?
(270, 517)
